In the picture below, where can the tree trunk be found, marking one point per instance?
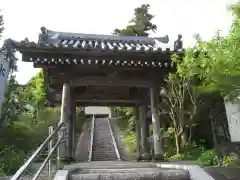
(215, 143)
(184, 137)
(177, 143)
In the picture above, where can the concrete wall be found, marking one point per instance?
(98, 110)
(233, 117)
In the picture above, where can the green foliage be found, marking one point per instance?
(1, 25)
(129, 136)
(13, 103)
(28, 129)
(140, 24)
(209, 157)
(216, 63)
(12, 159)
(35, 92)
(25, 119)
(227, 160)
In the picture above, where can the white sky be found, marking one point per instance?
(25, 17)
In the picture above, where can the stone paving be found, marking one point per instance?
(83, 143)
(223, 173)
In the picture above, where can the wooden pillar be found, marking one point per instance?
(138, 135)
(157, 139)
(64, 117)
(148, 135)
(144, 133)
(71, 129)
(74, 118)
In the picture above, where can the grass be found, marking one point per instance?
(129, 137)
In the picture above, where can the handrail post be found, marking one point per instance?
(59, 137)
(50, 131)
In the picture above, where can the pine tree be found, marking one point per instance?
(140, 24)
(1, 25)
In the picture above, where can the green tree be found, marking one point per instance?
(140, 24)
(1, 25)
(216, 63)
(36, 91)
(11, 104)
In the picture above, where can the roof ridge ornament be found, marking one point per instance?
(43, 36)
(164, 39)
(47, 37)
(178, 44)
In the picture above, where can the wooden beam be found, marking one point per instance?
(108, 81)
(31, 53)
(91, 67)
(101, 104)
(109, 101)
(98, 98)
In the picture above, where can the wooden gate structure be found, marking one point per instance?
(103, 70)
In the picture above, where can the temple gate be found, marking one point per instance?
(103, 70)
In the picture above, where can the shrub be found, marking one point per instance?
(11, 160)
(209, 157)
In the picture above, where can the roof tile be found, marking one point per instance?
(93, 42)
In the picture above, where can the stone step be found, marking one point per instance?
(137, 175)
(125, 170)
(103, 154)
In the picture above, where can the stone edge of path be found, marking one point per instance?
(80, 152)
(62, 175)
(123, 149)
(195, 171)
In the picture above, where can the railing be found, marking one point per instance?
(91, 139)
(51, 149)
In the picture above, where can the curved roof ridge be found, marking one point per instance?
(70, 35)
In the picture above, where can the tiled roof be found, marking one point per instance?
(92, 49)
(94, 42)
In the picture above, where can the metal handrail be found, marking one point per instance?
(33, 157)
(114, 141)
(91, 139)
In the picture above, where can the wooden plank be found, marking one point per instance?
(94, 54)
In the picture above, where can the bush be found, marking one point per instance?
(11, 160)
(209, 158)
(23, 136)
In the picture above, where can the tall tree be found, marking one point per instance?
(11, 104)
(36, 91)
(217, 64)
(140, 24)
(1, 25)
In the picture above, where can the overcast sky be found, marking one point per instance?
(24, 19)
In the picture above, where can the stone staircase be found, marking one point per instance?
(103, 147)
